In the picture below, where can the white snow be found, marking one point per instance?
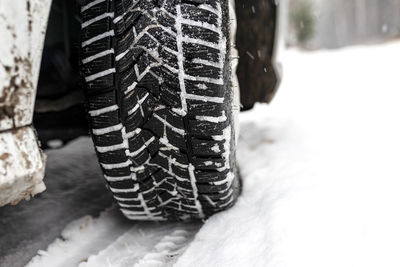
(155, 245)
(110, 241)
(320, 169)
(80, 239)
(213, 119)
(98, 112)
(215, 148)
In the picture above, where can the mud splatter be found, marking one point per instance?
(4, 156)
(19, 74)
(28, 8)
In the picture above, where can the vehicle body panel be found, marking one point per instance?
(22, 30)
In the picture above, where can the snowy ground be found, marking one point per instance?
(73, 190)
(321, 179)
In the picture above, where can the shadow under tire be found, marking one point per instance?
(159, 101)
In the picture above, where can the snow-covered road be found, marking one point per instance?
(321, 177)
(73, 190)
(321, 169)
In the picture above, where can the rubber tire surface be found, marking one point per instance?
(157, 80)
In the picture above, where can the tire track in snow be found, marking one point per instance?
(147, 245)
(110, 241)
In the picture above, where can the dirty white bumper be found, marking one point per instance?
(22, 31)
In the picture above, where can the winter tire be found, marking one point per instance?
(157, 78)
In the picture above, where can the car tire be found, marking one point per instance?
(160, 104)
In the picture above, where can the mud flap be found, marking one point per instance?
(259, 38)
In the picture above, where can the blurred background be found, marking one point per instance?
(329, 24)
